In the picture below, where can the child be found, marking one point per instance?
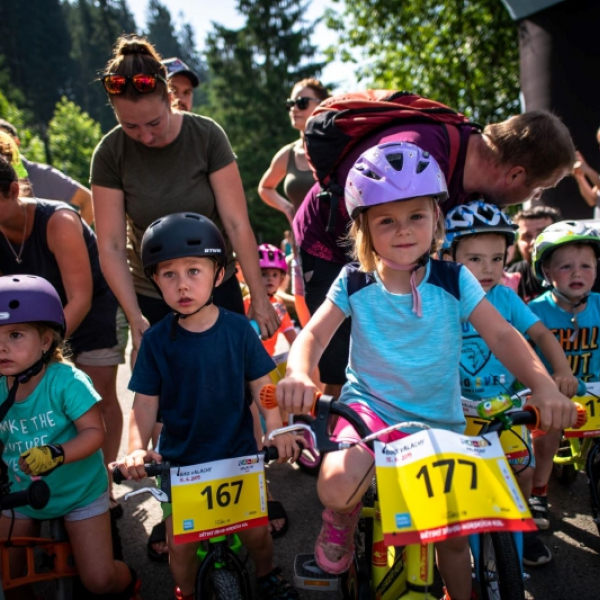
(194, 366)
(565, 256)
(51, 425)
(406, 337)
(477, 236)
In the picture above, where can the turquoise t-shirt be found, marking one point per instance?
(482, 375)
(582, 352)
(404, 367)
(63, 395)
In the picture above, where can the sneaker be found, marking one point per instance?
(538, 505)
(535, 553)
(335, 545)
(274, 587)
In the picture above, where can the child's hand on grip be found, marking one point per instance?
(296, 393)
(557, 412)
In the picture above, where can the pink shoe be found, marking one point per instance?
(335, 545)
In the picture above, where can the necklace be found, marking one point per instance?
(18, 256)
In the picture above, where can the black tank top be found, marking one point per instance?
(98, 328)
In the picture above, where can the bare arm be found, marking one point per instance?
(66, 242)
(297, 391)
(588, 193)
(111, 228)
(544, 339)
(556, 411)
(82, 198)
(590, 173)
(274, 175)
(231, 205)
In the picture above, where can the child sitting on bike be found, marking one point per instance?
(51, 425)
(194, 366)
(565, 257)
(477, 236)
(405, 347)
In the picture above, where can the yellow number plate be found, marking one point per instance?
(218, 498)
(436, 484)
(592, 406)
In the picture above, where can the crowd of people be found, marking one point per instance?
(417, 260)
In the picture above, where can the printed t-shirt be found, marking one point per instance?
(404, 367)
(161, 181)
(46, 416)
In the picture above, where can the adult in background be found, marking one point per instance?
(156, 162)
(508, 163)
(182, 81)
(49, 239)
(291, 166)
(50, 183)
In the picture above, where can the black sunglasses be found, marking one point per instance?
(144, 83)
(301, 102)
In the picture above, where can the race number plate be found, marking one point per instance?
(436, 484)
(591, 402)
(218, 498)
(512, 444)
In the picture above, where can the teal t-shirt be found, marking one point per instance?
(63, 395)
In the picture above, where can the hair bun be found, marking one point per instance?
(134, 47)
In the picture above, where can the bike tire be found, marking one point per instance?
(594, 477)
(227, 583)
(500, 573)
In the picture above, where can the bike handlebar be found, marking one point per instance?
(36, 495)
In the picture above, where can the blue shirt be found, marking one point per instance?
(405, 367)
(200, 379)
(582, 353)
(482, 375)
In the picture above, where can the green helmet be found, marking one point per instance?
(557, 234)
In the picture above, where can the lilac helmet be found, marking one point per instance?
(391, 172)
(271, 257)
(30, 299)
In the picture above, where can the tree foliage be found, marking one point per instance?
(464, 53)
(252, 70)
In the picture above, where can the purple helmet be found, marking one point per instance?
(271, 257)
(391, 172)
(30, 299)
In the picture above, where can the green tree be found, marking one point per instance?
(252, 71)
(73, 135)
(461, 52)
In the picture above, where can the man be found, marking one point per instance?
(182, 81)
(51, 184)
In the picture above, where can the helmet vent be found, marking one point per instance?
(371, 175)
(196, 242)
(14, 304)
(396, 160)
(422, 166)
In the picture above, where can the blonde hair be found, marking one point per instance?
(60, 352)
(10, 161)
(363, 249)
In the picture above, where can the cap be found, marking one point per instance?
(175, 66)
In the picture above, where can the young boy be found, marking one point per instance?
(477, 235)
(565, 256)
(194, 366)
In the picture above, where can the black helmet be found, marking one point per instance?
(180, 235)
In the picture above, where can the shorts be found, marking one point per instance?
(322, 273)
(93, 509)
(107, 357)
(344, 431)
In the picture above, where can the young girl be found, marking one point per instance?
(51, 425)
(406, 340)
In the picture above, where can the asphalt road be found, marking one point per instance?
(573, 537)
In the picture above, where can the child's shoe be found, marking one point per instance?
(335, 545)
(274, 587)
(538, 505)
(535, 552)
(180, 596)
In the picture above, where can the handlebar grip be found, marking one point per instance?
(534, 421)
(152, 470)
(581, 416)
(36, 495)
(271, 453)
(267, 396)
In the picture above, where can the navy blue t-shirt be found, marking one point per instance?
(200, 379)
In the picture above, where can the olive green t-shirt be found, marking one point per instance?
(160, 181)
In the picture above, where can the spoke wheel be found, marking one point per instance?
(500, 573)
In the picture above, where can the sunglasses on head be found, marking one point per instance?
(144, 83)
(301, 102)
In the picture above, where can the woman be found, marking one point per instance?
(158, 161)
(291, 166)
(49, 239)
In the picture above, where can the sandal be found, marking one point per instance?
(275, 511)
(158, 535)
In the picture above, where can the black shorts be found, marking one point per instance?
(333, 363)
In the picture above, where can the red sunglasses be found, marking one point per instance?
(144, 83)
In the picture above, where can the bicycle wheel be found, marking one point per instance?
(500, 574)
(593, 468)
(227, 583)
(564, 474)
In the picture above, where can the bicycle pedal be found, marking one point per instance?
(308, 576)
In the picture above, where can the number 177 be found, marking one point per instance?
(451, 466)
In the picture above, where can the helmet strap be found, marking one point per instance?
(574, 305)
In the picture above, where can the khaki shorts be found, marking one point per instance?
(107, 357)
